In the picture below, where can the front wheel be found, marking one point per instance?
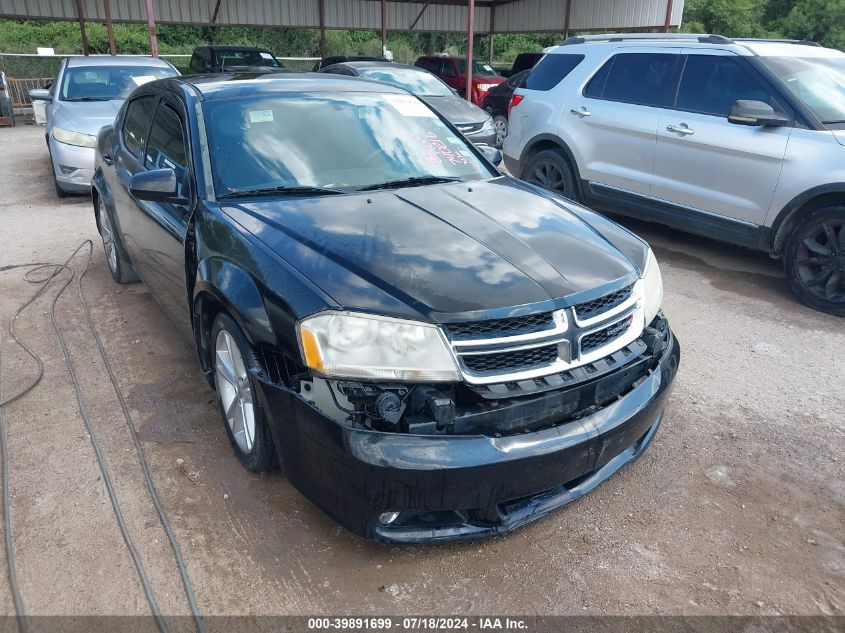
(237, 395)
(550, 169)
(815, 260)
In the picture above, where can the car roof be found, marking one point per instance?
(223, 85)
(231, 47)
(116, 60)
(741, 46)
(373, 64)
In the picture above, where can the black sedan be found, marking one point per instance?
(497, 100)
(428, 349)
(472, 121)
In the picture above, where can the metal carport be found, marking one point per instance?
(441, 16)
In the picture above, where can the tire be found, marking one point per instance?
(551, 170)
(118, 264)
(500, 123)
(814, 259)
(237, 395)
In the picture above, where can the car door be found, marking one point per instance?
(160, 227)
(448, 72)
(708, 164)
(611, 123)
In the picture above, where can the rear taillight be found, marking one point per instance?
(515, 101)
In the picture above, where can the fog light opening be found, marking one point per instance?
(386, 518)
(66, 169)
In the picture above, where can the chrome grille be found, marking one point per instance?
(542, 344)
(590, 309)
(468, 128)
(501, 327)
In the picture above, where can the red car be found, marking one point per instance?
(453, 71)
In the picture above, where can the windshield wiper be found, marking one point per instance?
(833, 122)
(90, 99)
(281, 191)
(413, 181)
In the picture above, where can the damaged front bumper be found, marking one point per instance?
(446, 487)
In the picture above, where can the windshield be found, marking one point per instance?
(343, 141)
(417, 82)
(478, 68)
(104, 83)
(817, 81)
(244, 58)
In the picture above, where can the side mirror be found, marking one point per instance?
(156, 185)
(746, 112)
(40, 94)
(491, 154)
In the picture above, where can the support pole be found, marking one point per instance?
(566, 18)
(216, 12)
(110, 27)
(491, 34)
(322, 11)
(383, 26)
(667, 25)
(151, 27)
(85, 48)
(470, 35)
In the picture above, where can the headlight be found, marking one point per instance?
(74, 138)
(345, 345)
(652, 288)
(488, 124)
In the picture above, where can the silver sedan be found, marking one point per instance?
(86, 95)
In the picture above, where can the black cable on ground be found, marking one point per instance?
(142, 460)
(7, 524)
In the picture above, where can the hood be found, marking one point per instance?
(87, 117)
(457, 110)
(839, 135)
(440, 252)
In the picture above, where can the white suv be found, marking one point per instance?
(738, 140)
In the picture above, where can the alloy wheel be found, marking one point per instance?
(234, 390)
(549, 175)
(501, 127)
(820, 260)
(108, 236)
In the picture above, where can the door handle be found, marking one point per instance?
(107, 159)
(683, 128)
(581, 112)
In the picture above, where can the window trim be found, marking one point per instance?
(156, 99)
(674, 75)
(785, 107)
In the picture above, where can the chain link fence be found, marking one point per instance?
(25, 71)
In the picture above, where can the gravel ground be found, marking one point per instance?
(738, 506)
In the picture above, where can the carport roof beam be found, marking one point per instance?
(440, 16)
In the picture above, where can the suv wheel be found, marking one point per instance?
(815, 260)
(550, 169)
(237, 395)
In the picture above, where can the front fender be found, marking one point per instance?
(236, 291)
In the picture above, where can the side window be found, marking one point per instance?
(551, 70)
(639, 78)
(166, 146)
(196, 63)
(136, 123)
(711, 84)
(448, 68)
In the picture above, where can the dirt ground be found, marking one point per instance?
(738, 506)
